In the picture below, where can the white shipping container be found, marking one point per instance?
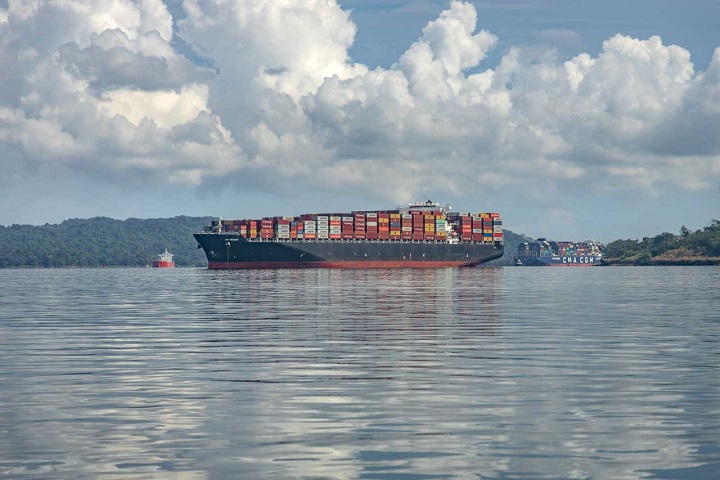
(371, 224)
(407, 229)
(371, 215)
(498, 229)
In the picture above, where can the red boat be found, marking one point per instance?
(166, 260)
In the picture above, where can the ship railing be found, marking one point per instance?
(367, 240)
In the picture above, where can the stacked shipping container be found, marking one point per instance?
(394, 225)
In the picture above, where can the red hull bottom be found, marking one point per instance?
(161, 264)
(338, 264)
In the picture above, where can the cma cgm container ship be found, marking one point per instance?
(545, 253)
(419, 235)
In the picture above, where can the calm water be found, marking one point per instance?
(476, 373)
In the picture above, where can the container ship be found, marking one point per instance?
(423, 235)
(545, 253)
(165, 261)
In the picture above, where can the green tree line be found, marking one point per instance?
(699, 247)
(101, 242)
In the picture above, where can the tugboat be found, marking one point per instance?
(166, 260)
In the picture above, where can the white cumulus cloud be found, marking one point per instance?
(98, 84)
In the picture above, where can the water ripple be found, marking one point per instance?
(487, 372)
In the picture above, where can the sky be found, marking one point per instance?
(573, 119)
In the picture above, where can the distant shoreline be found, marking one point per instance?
(663, 262)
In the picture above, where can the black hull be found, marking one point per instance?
(231, 251)
(558, 261)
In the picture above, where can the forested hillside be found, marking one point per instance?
(101, 241)
(701, 247)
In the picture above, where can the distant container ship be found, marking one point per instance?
(421, 235)
(165, 261)
(545, 253)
